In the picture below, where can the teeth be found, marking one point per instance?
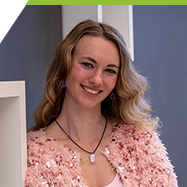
(90, 91)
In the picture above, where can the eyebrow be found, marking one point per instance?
(112, 65)
(95, 62)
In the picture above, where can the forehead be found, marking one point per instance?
(92, 41)
(97, 47)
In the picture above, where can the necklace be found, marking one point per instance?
(92, 155)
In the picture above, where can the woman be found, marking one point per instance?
(93, 125)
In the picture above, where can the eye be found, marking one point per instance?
(111, 71)
(87, 65)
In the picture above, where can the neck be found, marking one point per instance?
(81, 123)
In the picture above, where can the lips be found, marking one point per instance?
(91, 91)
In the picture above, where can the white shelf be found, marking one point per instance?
(12, 134)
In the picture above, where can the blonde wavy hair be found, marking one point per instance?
(130, 106)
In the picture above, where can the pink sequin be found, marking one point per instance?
(139, 158)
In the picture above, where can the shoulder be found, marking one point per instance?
(49, 162)
(33, 136)
(37, 136)
(139, 150)
(38, 139)
(133, 133)
(40, 144)
(42, 147)
(140, 142)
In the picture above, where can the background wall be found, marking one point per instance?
(160, 36)
(28, 48)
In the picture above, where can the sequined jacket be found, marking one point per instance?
(139, 158)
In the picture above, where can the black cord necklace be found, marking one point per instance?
(92, 156)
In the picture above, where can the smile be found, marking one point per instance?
(90, 90)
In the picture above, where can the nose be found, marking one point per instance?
(96, 78)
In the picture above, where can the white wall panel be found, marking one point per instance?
(119, 16)
(12, 134)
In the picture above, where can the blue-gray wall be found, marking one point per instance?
(160, 35)
(28, 48)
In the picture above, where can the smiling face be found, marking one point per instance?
(95, 66)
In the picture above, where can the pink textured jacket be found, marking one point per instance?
(139, 158)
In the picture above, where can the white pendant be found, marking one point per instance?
(92, 159)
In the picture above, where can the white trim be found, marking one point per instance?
(62, 21)
(131, 31)
(99, 13)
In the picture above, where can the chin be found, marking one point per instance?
(90, 105)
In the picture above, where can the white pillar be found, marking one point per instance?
(13, 154)
(119, 16)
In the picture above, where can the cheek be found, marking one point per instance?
(75, 75)
(111, 82)
(70, 79)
